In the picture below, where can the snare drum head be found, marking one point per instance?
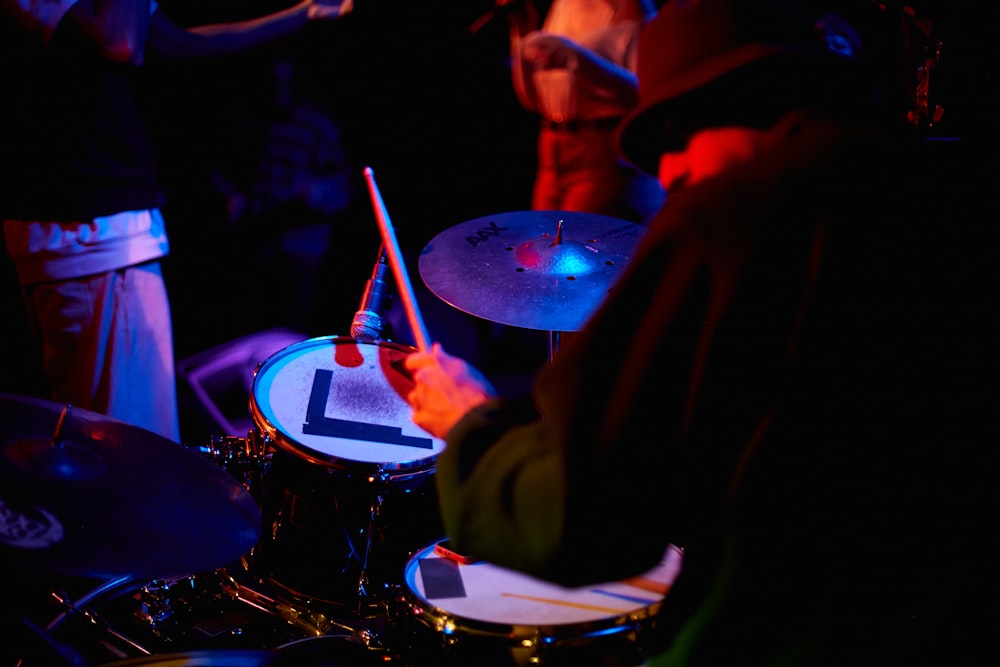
(485, 596)
(340, 401)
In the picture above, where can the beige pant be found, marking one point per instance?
(107, 345)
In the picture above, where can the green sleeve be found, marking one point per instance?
(501, 482)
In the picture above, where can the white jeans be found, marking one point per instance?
(107, 345)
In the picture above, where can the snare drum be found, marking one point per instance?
(478, 611)
(348, 495)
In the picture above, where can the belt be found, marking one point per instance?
(581, 124)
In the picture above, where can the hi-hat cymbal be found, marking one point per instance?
(545, 270)
(83, 494)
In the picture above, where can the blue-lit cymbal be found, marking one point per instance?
(83, 494)
(546, 270)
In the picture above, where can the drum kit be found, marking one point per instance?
(310, 541)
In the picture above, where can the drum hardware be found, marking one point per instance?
(312, 622)
(195, 612)
(362, 589)
(78, 611)
(71, 606)
(368, 627)
(83, 494)
(163, 599)
(247, 459)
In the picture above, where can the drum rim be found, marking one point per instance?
(402, 470)
(204, 658)
(551, 634)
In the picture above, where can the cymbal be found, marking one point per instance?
(83, 494)
(544, 270)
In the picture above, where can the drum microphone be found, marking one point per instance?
(368, 321)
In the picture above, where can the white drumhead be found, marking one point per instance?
(487, 593)
(339, 399)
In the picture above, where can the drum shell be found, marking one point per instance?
(317, 523)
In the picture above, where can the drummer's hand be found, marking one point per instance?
(446, 387)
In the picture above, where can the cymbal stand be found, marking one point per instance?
(66, 653)
(75, 607)
(554, 339)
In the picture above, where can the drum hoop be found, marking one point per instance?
(549, 635)
(204, 658)
(553, 634)
(273, 435)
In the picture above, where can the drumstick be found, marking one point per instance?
(420, 334)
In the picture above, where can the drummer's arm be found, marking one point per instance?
(496, 470)
(501, 487)
(502, 478)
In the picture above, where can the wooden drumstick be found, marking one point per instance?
(420, 334)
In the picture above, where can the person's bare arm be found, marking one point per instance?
(174, 41)
(521, 21)
(547, 50)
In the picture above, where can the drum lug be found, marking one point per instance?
(380, 476)
(247, 459)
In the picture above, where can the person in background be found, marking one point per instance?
(288, 197)
(578, 74)
(762, 388)
(80, 206)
